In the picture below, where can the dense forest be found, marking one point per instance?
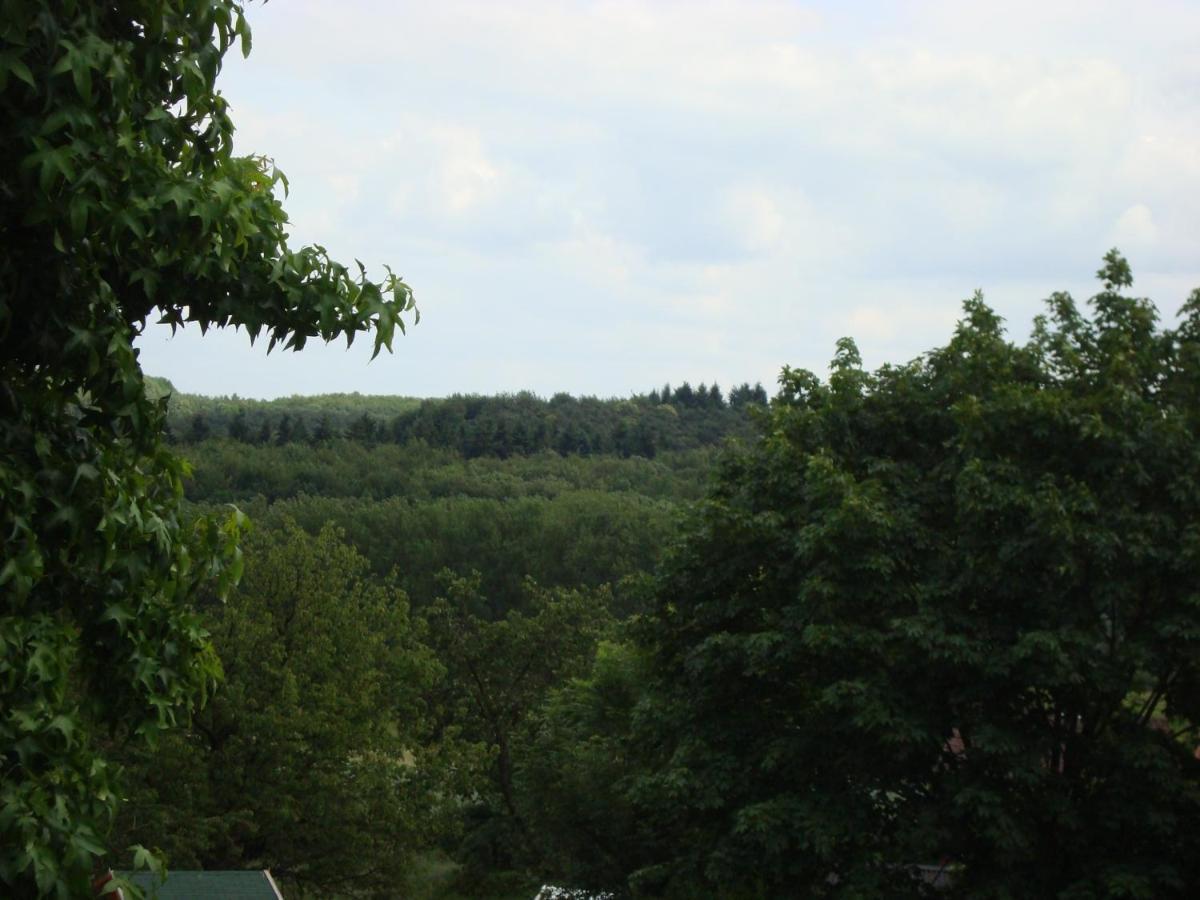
(423, 505)
(680, 418)
(692, 672)
(470, 572)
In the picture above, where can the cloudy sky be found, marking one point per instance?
(600, 197)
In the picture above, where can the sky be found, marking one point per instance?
(601, 197)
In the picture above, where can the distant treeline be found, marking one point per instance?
(337, 411)
(670, 419)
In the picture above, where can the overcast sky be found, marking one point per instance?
(602, 197)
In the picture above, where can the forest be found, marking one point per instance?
(469, 581)
(925, 629)
(680, 418)
(497, 669)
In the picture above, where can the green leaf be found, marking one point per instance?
(81, 74)
(11, 63)
(66, 727)
(144, 858)
(79, 215)
(243, 31)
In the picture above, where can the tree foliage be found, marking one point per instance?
(227, 472)
(576, 539)
(503, 426)
(576, 771)
(499, 671)
(313, 759)
(945, 612)
(120, 201)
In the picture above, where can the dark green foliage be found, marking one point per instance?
(239, 428)
(499, 670)
(523, 424)
(575, 772)
(198, 430)
(500, 426)
(283, 432)
(299, 432)
(744, 395)
(945, 612)
(564, 521)
(224, 471)
(264, 433)
(314, 758)
(588, 529)
(336, 410)
(584, 538)
(323, 432)
(121, 200)
(364, 430)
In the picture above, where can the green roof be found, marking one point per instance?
(213, 885)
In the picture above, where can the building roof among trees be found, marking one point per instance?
(197, 885)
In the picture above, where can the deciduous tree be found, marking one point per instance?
(121, 201)
(312, 759)
(946, 612)
(499, 672)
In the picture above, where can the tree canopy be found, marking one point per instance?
(121, 201)
(313, 759)
(498, 672)
(945, 613)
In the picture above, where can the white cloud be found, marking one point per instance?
(1135, 229)
(733, 184)
(756, 218)
(466, 179)
(345, 186)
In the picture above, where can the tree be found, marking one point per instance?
(311, 759)
(362, 429)
(283, 434)
(264, 432)
(199, 429)
(575, 770)
(323, 433)
(300, 432)
(239, 429)
(945, 612)
(122, 201)
(498, 672)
